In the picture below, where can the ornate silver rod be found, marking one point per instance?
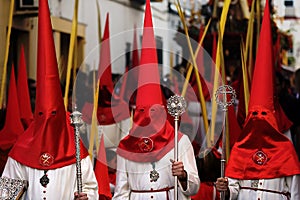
(224, 102)
(176, 107)
(76, 121)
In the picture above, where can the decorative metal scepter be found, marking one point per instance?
(222, 101)
(176, 107)
(76, 121)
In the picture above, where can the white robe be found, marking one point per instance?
(286, 184)
(62, 181)
(136, 176)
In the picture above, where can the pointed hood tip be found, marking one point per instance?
(262, 94)
(23, 91)
(149, 91)
(104, 68)
(13, 127)
(48, 83)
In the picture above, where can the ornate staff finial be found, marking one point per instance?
(221, 96)
(76, 119)
(176, 105)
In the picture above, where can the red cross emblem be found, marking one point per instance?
(260, 158)
(46, 159)
(146, 144)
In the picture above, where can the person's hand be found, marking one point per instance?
(222, 184)
(81, 196)
(178, 170)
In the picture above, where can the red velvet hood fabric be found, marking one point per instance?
(263, 151)
(151, 135)
(151, 148)
(23, 92)
(101, 171)
(111, 108)
(49, 142)
(13, 127)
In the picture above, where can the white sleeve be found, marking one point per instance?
(189, 162)
(122, 190)
(295, 187)
(15, 170)
(234, 188)
(89, 182)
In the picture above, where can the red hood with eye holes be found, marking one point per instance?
(148, 149)
(49, 142)
(38, 150)
(262, 152)
(151, 135)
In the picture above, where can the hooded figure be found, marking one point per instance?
(144, 169)
(44, 154)
(13, 127)
(111, 108)
(263, 163)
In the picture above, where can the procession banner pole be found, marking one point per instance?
(76, 121)
(224, 102)
(176, 107)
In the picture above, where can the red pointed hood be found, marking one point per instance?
(48, 143)
(151, 135)
(13, 127)
(234, 127)
(104, 71)
(262, 94)
(149, 92)
(111, 108)
(101, 171)
(135, 51)
(23, 92)
(262, 151)
(128, 89)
